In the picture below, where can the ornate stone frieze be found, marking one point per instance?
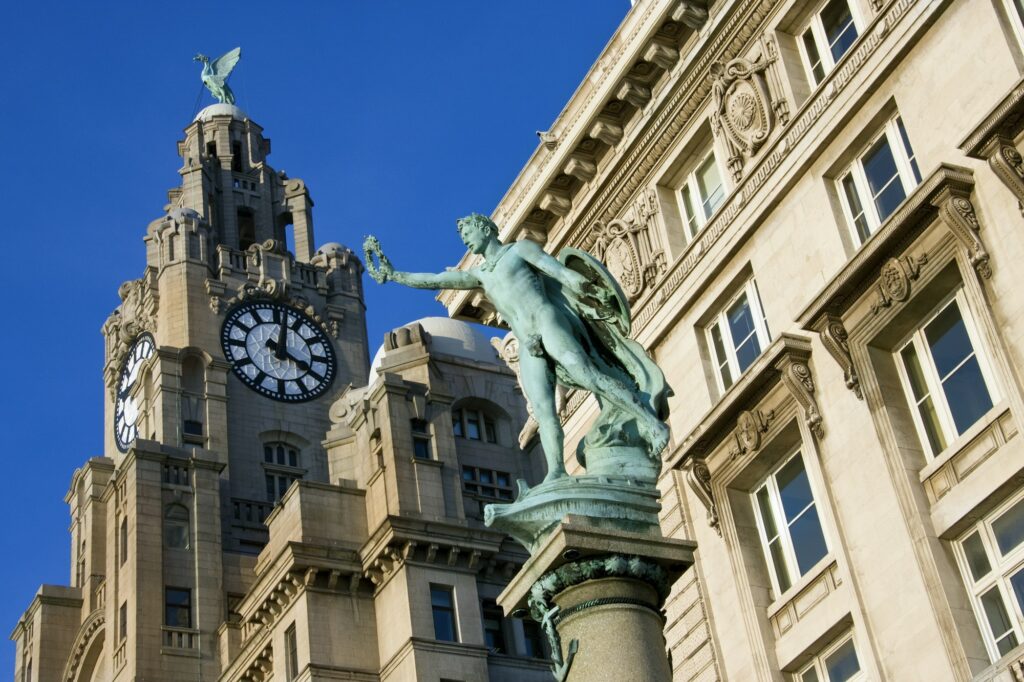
(796, 375)
(743, 113)
(836, 341)
(894, 280)
(957, 212)
(698, 477)
(750, 426)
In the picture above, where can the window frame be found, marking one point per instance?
(721, 320)
(817, 28)
(817, 663)
(187, 606)
(485, 423)
(291, 653)
(1015, 15)
(931, 376)
(894, 132)
(782, 525)
(450, 591)
(997, 577)
(489, 610)
(419, 431)
(475, 481)
(694, 224)
(277, 471)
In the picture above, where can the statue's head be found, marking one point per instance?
(476, 230)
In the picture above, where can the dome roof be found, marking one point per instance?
(220, 109)
(451, 337)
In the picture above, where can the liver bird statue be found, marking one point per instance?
(215, 74)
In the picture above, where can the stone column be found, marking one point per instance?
(598, 595)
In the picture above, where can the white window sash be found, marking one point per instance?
(933, 381)
(818, 662)
(817, 28)
(697, 198)
(728, 342)
(782, 526)
(1000, 567)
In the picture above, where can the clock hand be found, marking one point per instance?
(299, 362)
(281, 346)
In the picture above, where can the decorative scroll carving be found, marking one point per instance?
(957, 212)
(749, 427)
(894, 280)
(780, 105)
(796, 375)
(626, 248)
(698, 477)
(1007, 164)
(836, 340)
(743, 110)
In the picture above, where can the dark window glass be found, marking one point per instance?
(744, 334)
(291, 653)
(124, 541)
(268, 454)
(489, 430)
(122, 622)
(293, 458)
(457, 423)
(839, 29)
(177, 607)
(811, 46)
(908, 149)
(191, 427)
(883, 178)
(494, 638)
(444, 613)
(977, 558)
(1009, 528)
(421, 447)
(842, 664)
(958, 368)
(801, 514)
(998, 621)
(534, 639)
(720, 357)
(473, 425)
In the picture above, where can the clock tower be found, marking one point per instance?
(221, 363)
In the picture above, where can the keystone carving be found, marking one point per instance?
(749, 428)
(894, 280)
(957, 211)
(698, 477)
(796, 375)
(743, 111)
(836, 340)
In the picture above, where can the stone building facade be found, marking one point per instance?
(814, 207)
(254, 517)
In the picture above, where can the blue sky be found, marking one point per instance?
(400, 117)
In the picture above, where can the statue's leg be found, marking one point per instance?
(539, 386)
(569, 354)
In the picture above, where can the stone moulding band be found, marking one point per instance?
(605, 601)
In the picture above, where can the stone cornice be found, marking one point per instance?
(1006, 119)
(412, 644)
(718, 423)
(919, 209)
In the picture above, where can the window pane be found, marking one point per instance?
(440, 597)
(808, 540)
(533, 639)
(977, 559)
(909, 150)
(270, 488)
(860, 220)
(741, 326)
(809, 676)
(268, 454)
(883, 180)
(811, 46)
(1009, 528)
(444, 615)
(967, 395)
(280, 454)
(839, 29)
(503, 479)
(925, 406)
(457, 422)
(709, 183)
(467, 474)
(771, 529)
(421, 448)
(1017, 583)
(779, 562)
(721, 359)
(293, 458)
(794, 488)
(998, 620)
(691, 216)
(948, 340)
(490, 431)
(473, 425)
(842, 664)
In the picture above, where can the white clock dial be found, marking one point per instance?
(278, 351)
(126, 408)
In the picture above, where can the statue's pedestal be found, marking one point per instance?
(598, 594)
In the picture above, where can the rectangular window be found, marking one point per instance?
(879, 179)
(291, 654)
(487, 483)
(827, 38)
(475, 425)
(494, 636)
(737, 335)
(443, 606)
(177, 607)
(534, 639)
(991, 558)
(945, 381)
(787, 519)
(281, 469)
(122, 622)
(702, 193)
(421, 446)
(837, 663)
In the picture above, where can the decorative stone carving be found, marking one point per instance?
(743, 110)
(692, 13)
(957, 211)
(796, 375)
(894, 280)
(1006, 162)
(775, 77)
(136, 314)
(836, 341)
(698, 477)
(749, 427)
(627, 248)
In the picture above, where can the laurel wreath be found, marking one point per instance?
(376, 261)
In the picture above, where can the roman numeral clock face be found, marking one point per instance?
(278, 351)
(126, 409)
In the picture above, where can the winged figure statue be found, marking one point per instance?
(216, 72)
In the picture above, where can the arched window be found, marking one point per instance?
(176, 527)
(475, 424)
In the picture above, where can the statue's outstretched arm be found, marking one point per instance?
(452, 279)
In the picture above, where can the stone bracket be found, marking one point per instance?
(796, 375)
(698, 477)
(1006, 162)
(836, 341)
(957, 212)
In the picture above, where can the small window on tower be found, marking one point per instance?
(246, 229)
(236, 156)
(211, 149)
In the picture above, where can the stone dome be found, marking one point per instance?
(220, 109)
(451, 337)
(331, 248)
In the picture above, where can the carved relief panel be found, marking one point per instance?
(743, 113)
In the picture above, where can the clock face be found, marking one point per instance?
(126, 409)
(278, 351)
